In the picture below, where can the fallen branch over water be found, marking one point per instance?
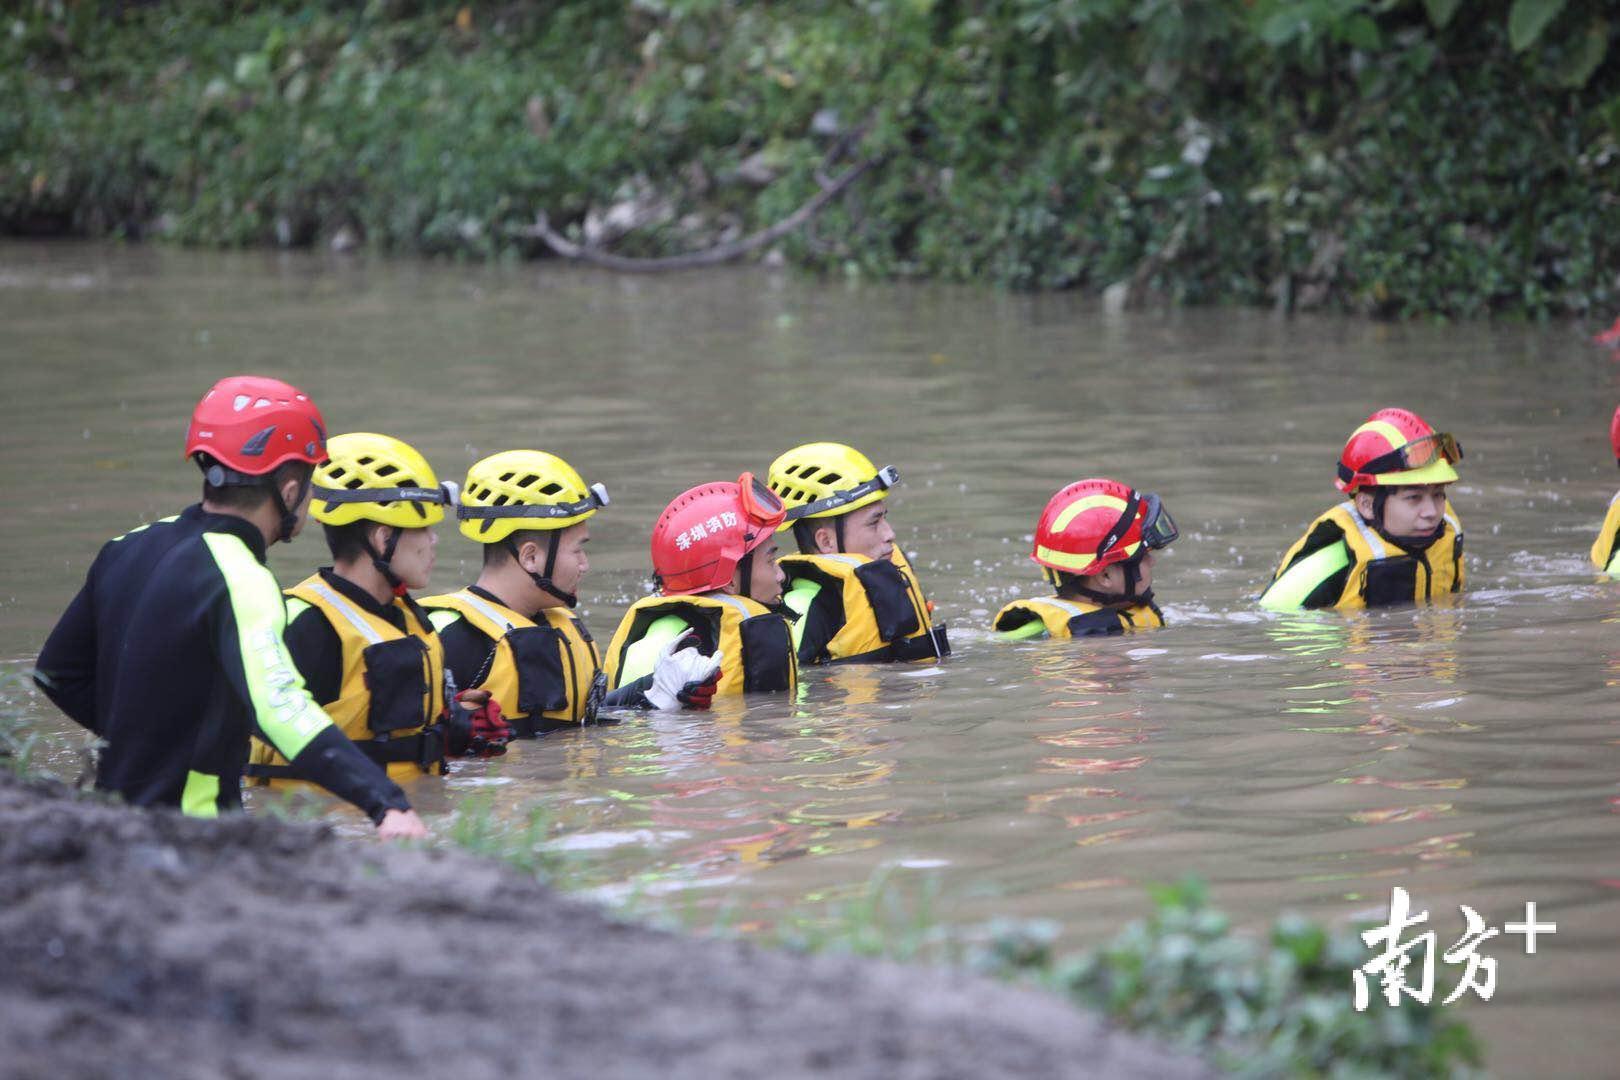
(721, 253)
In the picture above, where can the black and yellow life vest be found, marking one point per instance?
(1604, 548)
(1078, 618)
(886, 616)
(392, 693)
(540, 674)
(754, 640)
(1380, 572)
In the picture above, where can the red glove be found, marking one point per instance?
(699, 695)
(489, 730)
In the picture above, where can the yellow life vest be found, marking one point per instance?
(886, 616)
(754, 640)
(538, 673)
(1380, 572)
(1078, 618)
(392, 692)
(1604, 552)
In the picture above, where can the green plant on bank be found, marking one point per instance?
(523, 843)
(1395, 157)
(1282, 1006)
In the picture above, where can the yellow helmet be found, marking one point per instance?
(369, 477)
(524, 489)
(825, 479)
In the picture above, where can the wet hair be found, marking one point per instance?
(499, 553)
(253, 496)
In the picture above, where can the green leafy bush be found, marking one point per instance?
(1384, 156)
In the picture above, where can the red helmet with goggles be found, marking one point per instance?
(706, 531)
(250, 424)
(1092, 524)
(1394, 448)
(1614, 433)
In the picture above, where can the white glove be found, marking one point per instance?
(679, 672)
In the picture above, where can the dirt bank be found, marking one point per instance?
(146, 945)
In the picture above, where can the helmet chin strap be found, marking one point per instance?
(1132, 568)
(542, 581)
(746, 566)
(384, 562)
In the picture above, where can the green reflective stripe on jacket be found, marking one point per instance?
(799, 598)
(201, 795)
(1289, 591)
(287, 716)
(148, 525)
(1032, 629)
(641, 657)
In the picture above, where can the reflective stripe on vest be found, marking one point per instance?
(346, 609)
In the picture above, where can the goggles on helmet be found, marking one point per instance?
(760, 504)
(1416, 454)
(443, 495)
(596, 497)
(886, 478)
(1158, 527)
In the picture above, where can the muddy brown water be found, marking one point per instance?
(1311, 762)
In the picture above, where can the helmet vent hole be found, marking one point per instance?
(386, 470)
(338, 472)
(500, 500)
(366, 460)
(832, 478)
(506, 478)
(551, 489)
(240, 402)
(529, 480)
(354, 482)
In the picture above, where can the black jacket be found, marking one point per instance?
(172, 652)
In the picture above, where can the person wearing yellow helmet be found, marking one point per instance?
(855, 596)
(513, 632)
(1396, 539)
(366, 651)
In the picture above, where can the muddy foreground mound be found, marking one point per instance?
(137, 944)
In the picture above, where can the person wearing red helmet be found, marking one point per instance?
(714, 558)
(1096, 540)
(172, 651)
(1606, 548)
(1395, 539)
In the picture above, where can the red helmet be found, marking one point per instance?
(1395, 447)
(1092, 524)
(251, 424)
(702, 536)
(1614, 433)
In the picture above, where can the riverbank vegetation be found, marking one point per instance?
(1280, 1004)
(1392, 157)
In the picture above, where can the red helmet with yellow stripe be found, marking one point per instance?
(1395, 447)
(1092, 524)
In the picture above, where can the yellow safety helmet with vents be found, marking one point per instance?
(370, 477)
(825, 479)
(524, 489)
